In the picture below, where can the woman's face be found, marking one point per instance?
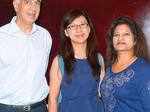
(123, 39)
(78, 31)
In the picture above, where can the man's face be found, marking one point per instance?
(27, 10)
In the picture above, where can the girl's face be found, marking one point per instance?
(78, 31)
(123, 38)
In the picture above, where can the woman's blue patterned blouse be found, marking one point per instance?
(128, 90)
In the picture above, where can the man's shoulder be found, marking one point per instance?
(5, 28)
(42, 29)
(44, 33)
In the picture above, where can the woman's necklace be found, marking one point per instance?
(119, 67)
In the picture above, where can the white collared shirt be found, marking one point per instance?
(23, 64)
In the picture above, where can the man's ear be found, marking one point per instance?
(15, 4)
(66, 33)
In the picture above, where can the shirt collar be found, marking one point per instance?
(14, 27)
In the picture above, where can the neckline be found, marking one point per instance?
(15, 28)
(133, 63)
(81, 59)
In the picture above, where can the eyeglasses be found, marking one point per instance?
(75, 26)
(31, 2)
(125, 35)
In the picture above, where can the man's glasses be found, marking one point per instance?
(31, 2)
(75, 26)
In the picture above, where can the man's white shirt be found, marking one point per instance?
(23, 64)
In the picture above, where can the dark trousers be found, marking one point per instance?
(37, 107)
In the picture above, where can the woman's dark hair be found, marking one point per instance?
(66, 48)
(140, 47)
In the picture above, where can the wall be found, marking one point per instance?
(101, 11)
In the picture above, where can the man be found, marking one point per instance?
(24, 55)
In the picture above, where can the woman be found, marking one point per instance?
(126, 86)
(79, 83)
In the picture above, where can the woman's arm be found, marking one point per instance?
(55, 81)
